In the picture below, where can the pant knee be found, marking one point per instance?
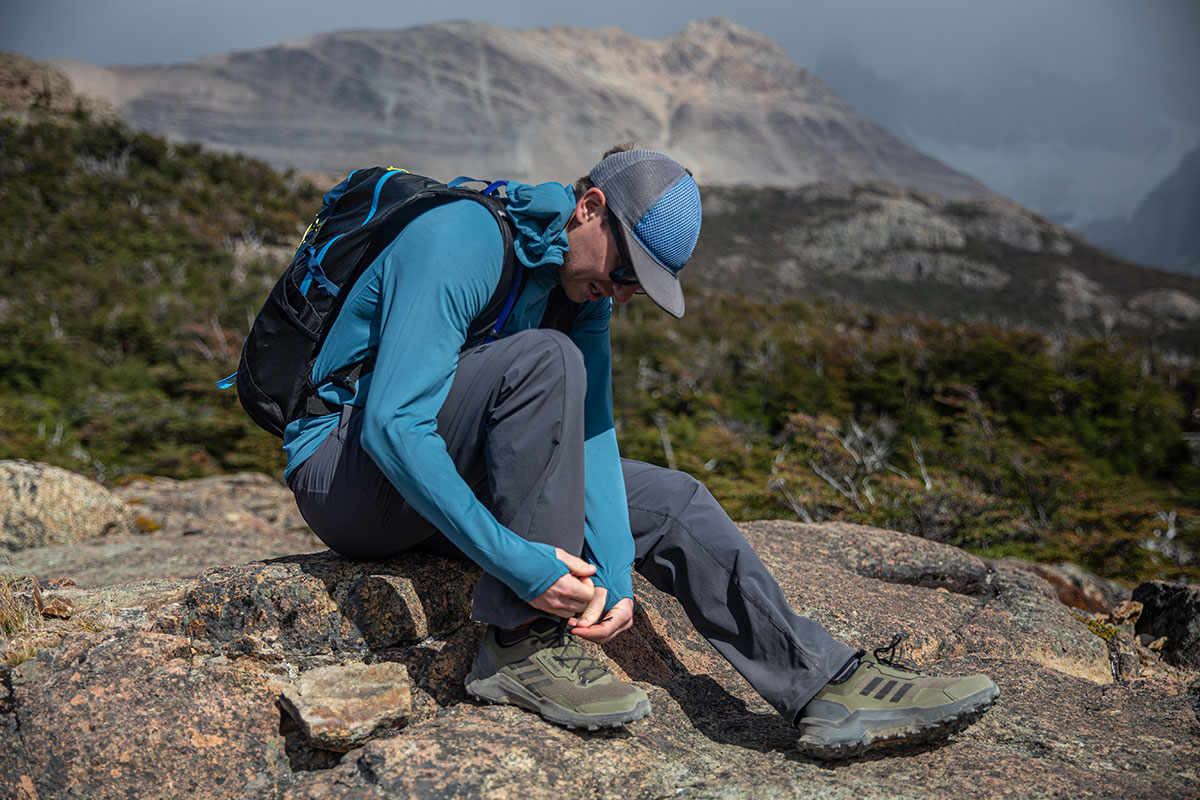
(551, 355)
(668, 491)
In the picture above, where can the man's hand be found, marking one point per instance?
(619, 618)
(572, 593)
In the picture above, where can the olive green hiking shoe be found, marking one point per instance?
(550, 673)
(880, 704)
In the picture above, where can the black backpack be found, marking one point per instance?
(359, 218)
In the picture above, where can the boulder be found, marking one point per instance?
(321, 603)
(1075, 586)
(1171, 610)
(44, 505)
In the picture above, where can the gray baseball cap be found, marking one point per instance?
(658, 206)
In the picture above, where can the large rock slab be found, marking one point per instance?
(1132, 739)
(43, 505)
(193, 525)
(1062, 727)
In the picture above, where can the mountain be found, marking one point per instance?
(470, 98)
(1165, 230)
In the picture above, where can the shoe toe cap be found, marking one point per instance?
(971, 686)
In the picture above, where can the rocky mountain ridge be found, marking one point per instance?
(893, 248)
(305, 676)
(470, 98)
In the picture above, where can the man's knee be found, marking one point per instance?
(550, 355)
(671, 492)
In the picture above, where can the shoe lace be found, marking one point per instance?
(888, 655)
(572, 655)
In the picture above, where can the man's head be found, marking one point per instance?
(636, 222)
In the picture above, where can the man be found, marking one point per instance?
(505, 453)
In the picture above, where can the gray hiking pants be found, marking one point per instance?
(513, 423)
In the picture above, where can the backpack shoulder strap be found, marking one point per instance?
(485, 325)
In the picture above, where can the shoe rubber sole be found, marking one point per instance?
(864, 730)
(500, 688)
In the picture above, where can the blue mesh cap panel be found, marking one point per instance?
(670, 229)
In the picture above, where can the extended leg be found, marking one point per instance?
(687, 546)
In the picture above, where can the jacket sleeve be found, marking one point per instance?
(607, 538)
(438, 275)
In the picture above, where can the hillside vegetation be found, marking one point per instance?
(130, 270)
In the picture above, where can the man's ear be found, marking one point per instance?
(590, 205)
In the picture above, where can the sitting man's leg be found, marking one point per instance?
(843, 701)
(513, 423)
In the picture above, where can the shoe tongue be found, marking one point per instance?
(543, 625)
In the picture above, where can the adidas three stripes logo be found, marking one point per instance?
(885, 689)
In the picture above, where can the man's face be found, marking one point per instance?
(594, 254)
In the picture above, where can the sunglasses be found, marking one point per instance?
(624, 273)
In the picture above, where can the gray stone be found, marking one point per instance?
(341, 707)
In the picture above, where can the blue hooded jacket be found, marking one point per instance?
(412, 307)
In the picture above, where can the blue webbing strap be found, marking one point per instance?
(493, 186)
(508, 304)
(227, 382)
(461, 179)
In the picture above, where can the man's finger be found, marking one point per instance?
(600, 632)
(594, 609)
(579, 568)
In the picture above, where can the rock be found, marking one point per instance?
(58, 607)
(1075, 586)
(1169, 306)
(135, 714)
(1172, 610)
(1126, 613)
(43, 505)
(1079, 297)
(341, 707)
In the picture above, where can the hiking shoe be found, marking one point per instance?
(880, 704)
(550, 673)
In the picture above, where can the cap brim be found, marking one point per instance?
(660, 284)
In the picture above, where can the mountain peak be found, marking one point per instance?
(465, 97)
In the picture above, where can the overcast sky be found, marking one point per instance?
(1075, 108)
